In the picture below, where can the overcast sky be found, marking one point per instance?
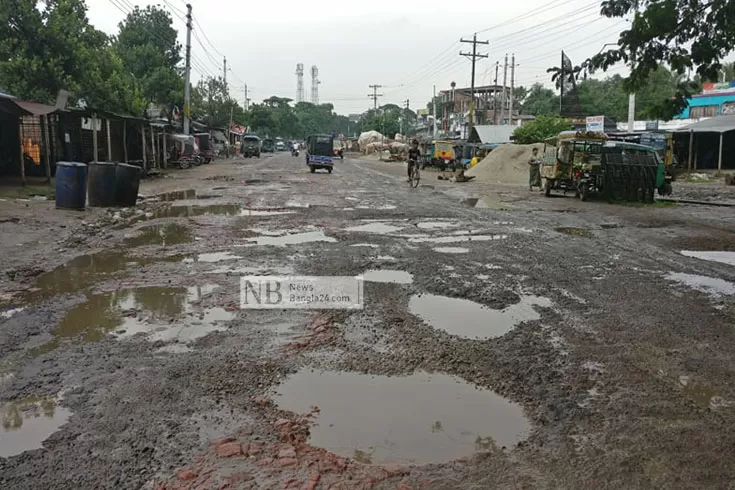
(406, 46)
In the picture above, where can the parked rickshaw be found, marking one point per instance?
(268, 146)
(319, 151)
(206, 150)
(181, 149)
(440, 154)
(558, 161)
(250, 146)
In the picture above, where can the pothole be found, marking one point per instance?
(435, 225)
(721, 257)
(292, 239)
(457, 238)
(452, 250)
(379, 228)
(263, 212)
(580, 232)
(10, 312)
(374, 419)
(213, 257)
(710, 285)
(177, 195)
(388, 276)
(468, 319)
(165, 313)
(28, 422)
(164, 235)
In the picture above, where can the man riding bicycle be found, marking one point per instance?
(413, 156)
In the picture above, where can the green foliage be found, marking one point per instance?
(540, 101)
(542, 128)
(686, 35)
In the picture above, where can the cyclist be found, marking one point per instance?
(413, 156)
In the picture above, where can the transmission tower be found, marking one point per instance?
(315, 85)
(300, 82)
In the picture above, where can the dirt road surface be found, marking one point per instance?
(507, 340)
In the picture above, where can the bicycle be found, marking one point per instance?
(415, 174)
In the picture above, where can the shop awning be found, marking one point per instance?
(719, 124)
(35, 108)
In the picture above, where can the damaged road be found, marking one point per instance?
(507, 340)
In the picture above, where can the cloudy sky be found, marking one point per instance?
(406, 46)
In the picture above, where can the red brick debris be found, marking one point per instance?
(290, 463)
(320, 332)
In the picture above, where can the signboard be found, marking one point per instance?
(651, 125)
(711, 88)
(595, 124)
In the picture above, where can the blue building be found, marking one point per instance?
(716, 99)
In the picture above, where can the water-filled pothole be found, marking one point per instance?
(457, 238)
(213, 257)
(165, 234)
(710, 285)
(422, 418)
(580, 232)
(466, 318)
(721, 257)
(28, 422)
(379, 228)
(452, 250)
(177, 195)
(388, 275)
(292, 239)
(434, 225)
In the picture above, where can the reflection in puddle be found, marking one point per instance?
(292, 239)
(699, 393)
(369, 245)
(177, 195)
(255, 271)
(722, 257)
(375, 228)
(376, 417)
(452, 250)
(29, 422)
(387, 275)
(433, 225)
(150, 309)
(710, 285)
(458, 237)
(214, 257)
(263, 212)
(472, 320)
(166, 234)
(10, 312)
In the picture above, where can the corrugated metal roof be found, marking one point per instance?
(491, 134)
(719, 124)
(35, 108)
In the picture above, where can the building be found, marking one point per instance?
(491, 107)
(716, 99)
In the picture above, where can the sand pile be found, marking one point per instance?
(506, 164)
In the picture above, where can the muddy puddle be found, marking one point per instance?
(388, 276)
(378, 228)
(452, 250)
(435, 225)
(458, 238)
(10, 312)
(212, 257)
(292, 239)
(28, 422)
(163, 235)
(165, 313)
(468, 319)
(721, 257)
(177, 195)
(422, 418)
(710, 285)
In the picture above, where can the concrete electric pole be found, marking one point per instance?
(505, 84)
(375, 95)
(187, 70)
(474, 56)
(224, 67)
(300, 82)
(512, 86)
(495, 94)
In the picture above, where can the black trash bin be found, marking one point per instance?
(101, 184)
(127, 181)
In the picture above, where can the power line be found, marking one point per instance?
(207, 38)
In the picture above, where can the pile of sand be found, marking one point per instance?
(506, 164)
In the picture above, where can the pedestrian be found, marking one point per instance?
(534, 174)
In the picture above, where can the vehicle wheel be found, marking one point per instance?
(311, 167)
(184, 164)
(329, 170)
(649, 195)
(668, 189)
(584, 194)
(547, 187)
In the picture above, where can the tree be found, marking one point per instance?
(519, 95)
(47, 46)
(686, 35)
(540, 101)
(542, 128)
(148, 47)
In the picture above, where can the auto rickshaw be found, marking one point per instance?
(206, 151)
(268, 146)
(250, 146)
(558, 161)
(181, 150)
(319, 151)
(440, 154)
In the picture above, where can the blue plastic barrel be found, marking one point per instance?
(101, 184)
(127, 181)
(71, 185)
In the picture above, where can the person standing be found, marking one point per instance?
(534, 172)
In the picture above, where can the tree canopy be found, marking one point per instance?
(542, 128)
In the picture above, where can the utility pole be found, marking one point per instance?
(631, 96)
(433, 100)
(403, 116)
(225, 72)
(187, 71)
(561, 85)
(474, 56)
(512, 86)
(495, 94)
(375, 95)
(505, 84)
